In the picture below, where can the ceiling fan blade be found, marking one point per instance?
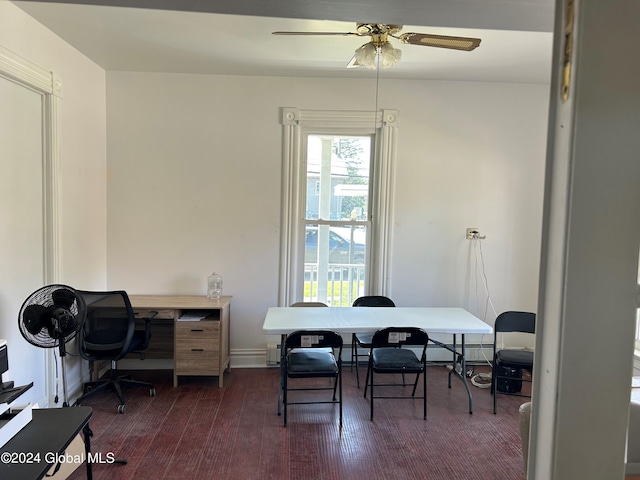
(442, 41)
(353, 63)
(344, 34)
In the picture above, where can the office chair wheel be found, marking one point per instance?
(152, 392)
(122, 408)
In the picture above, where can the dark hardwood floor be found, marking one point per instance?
(198, 431)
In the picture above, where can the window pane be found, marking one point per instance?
(334, 263)
(337, 245)
(338, 177)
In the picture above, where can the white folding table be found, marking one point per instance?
(347, 320)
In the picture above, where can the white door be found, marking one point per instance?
(21, 228)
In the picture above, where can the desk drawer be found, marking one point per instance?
(197, 362)
(197, 350)
(192, 333)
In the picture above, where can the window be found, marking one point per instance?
(336, 211)
(337, 220)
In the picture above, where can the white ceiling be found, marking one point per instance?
(154, 40)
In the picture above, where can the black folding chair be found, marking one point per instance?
(508, 363)
(312, 354)
(388, 357)
(363, 340)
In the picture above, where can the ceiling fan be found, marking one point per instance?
(379, 47)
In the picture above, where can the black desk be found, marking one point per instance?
(49, 432)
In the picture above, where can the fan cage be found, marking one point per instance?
(44, 297)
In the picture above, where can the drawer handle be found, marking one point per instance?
(197, 349)
(197, 330)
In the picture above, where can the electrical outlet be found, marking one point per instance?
(472, 233)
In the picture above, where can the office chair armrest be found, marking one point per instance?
(149, 315)
(147, 325)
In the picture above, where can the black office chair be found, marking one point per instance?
(109, 333)
(508, 364)
(363, 340)
(307, 356)
(387, 356)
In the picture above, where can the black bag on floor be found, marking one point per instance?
(508, 380)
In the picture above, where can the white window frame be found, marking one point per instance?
(296, 125)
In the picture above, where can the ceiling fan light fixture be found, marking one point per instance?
(389, 55)
(365, 56)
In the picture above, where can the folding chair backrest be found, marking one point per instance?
(373, 301)
(398, 336)
(524, 322)
(313, 339)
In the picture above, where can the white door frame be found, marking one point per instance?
(591, 229)
(22, 72)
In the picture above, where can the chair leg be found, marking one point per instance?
(494, 386)
(370, 375)
(118, 390)
(415, 385)
(281, 386)
(116, 382)
(96, 387)
(353, 349)
(357, 364)
(424, 387)
(135, 383)
(284, 398)
(366, 380)
(340, 394)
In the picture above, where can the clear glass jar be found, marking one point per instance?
(214, 286)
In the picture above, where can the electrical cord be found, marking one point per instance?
(481, 380)
(480, 268)
(55, 362)
(485, 282)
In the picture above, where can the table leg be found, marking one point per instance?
(283, 339)
(459, 357)
(87, 434)
(464, 374)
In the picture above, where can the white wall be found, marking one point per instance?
(194, 186)
(194, 180)
(83, 162)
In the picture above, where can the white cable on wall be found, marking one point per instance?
(480, 272)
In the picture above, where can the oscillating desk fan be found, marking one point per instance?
(50, 317)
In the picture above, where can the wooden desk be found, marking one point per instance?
(197, 348)
(347, 320)
(49, 433)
